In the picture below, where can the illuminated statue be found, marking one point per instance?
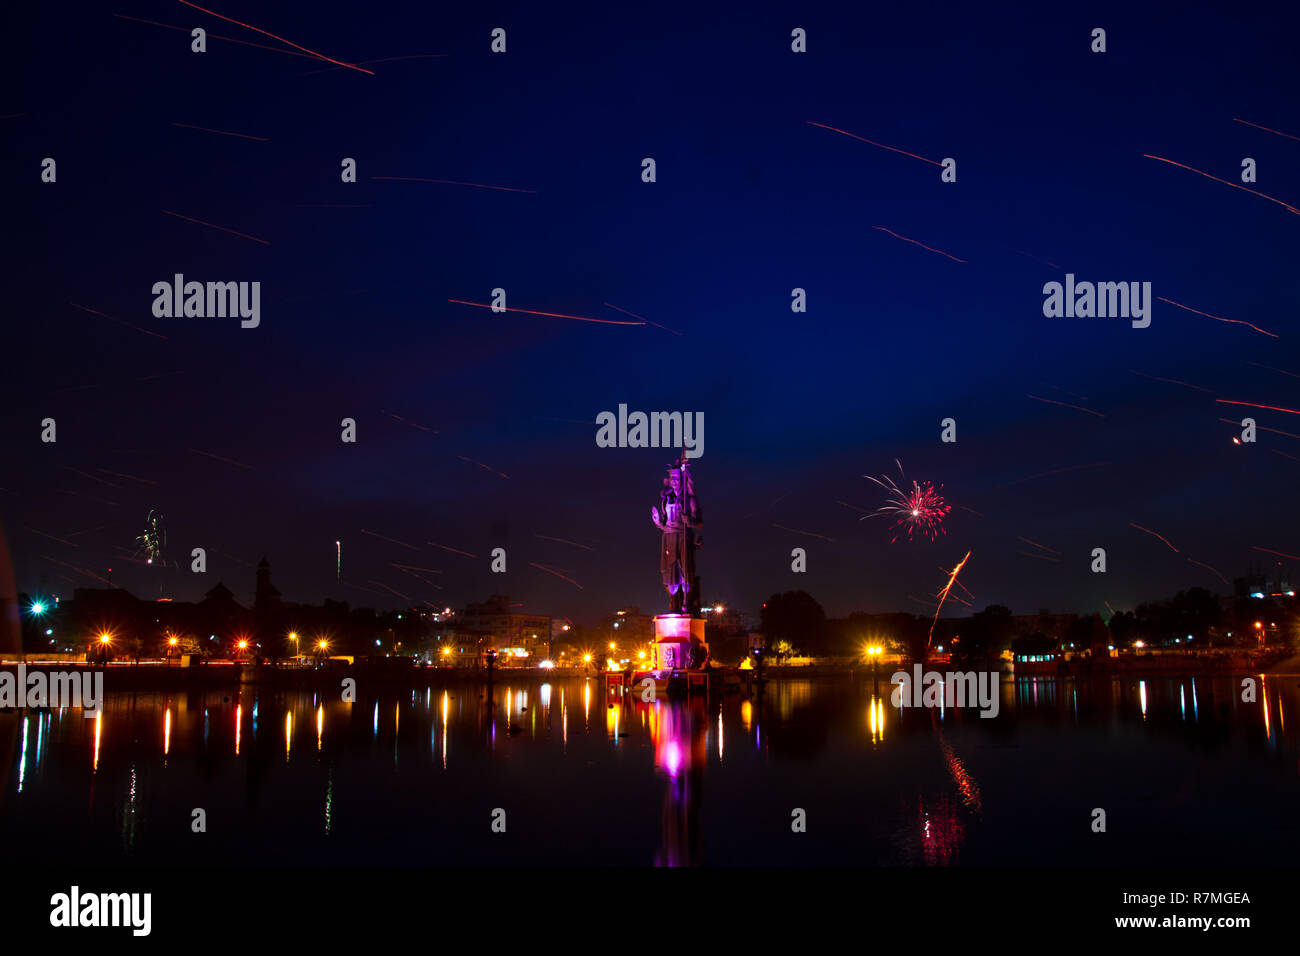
(677, 516)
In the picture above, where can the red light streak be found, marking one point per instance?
(117, 320)
(451, 182)
(921, 244)
(260, 139)
(1287, 206)
(1155, 534)
(1271, 408)
(249, 26)
(553, 315)
(1051, 401)
(213, 226)
(1280, 554)
(1218, 318)
(1266, 129)
(873, 143)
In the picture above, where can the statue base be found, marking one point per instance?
(672, 647)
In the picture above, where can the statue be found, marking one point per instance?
(677, 516)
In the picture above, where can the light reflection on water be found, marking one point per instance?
(709, 780)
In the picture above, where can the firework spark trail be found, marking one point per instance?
(873, 143)
(74, 534)
(1271, 408)
(412, 424)
(228, 461)
(334, 205)
(362, 587)
(1284, 454)
(214, 226)
(1156, 535)
(1280, 554)
(972, 510)
(1109, 608)
(240, 561)
(89, 574)
(554, 315)
(1037, 545)
(542, 567)
(83, 474)
(483, 466)
(1265, 128)
(1040, 557)
(1219, 318)
(387, 59)
(922, 508)
(921, 244)
(404, 597)
(456, 550)
(1275, 431)
(1273, 369)
(119, 321)
(1052, 401)
(78, 494)
(418, 577)
(797, 531)
(72, 544)
(547, 537)
(1171, 381)
(1032, 256)
(451, 182)
(1082, 398)
(943, 595)
(118, 474)
(214, 36)
(928, 604)
(415, 567)
(1285, 205)
(268, 33)
(1208, 568)
(865, 511)
(389, 540)
(642, 318)
(260, 139)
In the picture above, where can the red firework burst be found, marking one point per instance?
(920, 508)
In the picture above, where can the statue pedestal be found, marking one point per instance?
(672, 647)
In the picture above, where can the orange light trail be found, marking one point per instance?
(1040, 557)
(415, 567)
(213, 36)
(268, 33)
(1280, 554)
(1284, 454)
(553, 315)
(1155, 534)
(456, 550)
(1208, 568)
(921, 244)
(214, 226)
(412, 424)
(1271, 408)
(1037, 545)
(260, 139)
(873, 143)
(389, 540)
(547, 537)
(642, 318)
(1052, 401)
(943, 595)
(1171, 381)
(404, 597)
(1274, 369)
(451, 182)
(1266, 129)
(542, 567)
(1285, 205)
(72, 544)
(483, 466)
(1263, 428)
(117, 320)
(1219, 318)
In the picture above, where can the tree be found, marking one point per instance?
(988, 633)
(795, 617)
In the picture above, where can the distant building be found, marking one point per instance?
(492, 624)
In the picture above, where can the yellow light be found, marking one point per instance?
(104, 639)
(322, 645)
(611, 645)
(243, 644)
(641, 654)
(446, 651)
(172, 642)
(586, 658)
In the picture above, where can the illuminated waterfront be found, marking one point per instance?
(413, 777)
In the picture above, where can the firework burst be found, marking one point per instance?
(153, 540)
(920, 508)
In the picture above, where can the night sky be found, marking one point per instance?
(750, 202)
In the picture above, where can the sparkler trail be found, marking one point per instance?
(249, 26)
(1285, 205)
(943, 595)
(642, 318)
(389, 540)
(921, 244)
(1171, 381)
(228, 461)
(214, 36)
(797, 531)
(1271, 408)
(260, 139)
(1052, 401)
(1037, 545)
(117, 320)
(554, 315)
(547, 537)
(451, 182)
(1266, 129)
(873, 143)
(1219, 318)
(1275, 431)
(483, 466)
(456, 550)
(1280, 554)
(214, 226)
(920, 509)
(1157, 535)
(542, 567)
(1208, 568)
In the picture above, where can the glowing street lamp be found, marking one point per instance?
(38, 608)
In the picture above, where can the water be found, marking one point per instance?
(1186, 773)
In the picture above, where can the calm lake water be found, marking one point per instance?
(1187, 773)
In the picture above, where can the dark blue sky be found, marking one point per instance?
(750, 202)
